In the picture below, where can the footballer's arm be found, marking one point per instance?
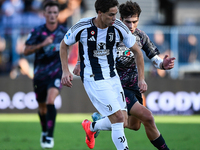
(140, 67)
(67, 77)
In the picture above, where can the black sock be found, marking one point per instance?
(51, 117)
(160, 144)
(43, 122)
(93, 123)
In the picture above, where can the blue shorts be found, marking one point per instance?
(41, 87)
(132, 96)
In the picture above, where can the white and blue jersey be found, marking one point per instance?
(98, 47)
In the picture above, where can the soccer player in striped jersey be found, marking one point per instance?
(126, 67)
(44, 41)
(98, 39)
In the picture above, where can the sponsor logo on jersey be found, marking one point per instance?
(124, 51)
(101, 50)
(109, 107)
(111, 35)
(67, 35)
(127, 53)
(52, 47)
(44, 33)
(101, 46)
(57, 83)
(92, 32)
(91, 39)
(122, 139)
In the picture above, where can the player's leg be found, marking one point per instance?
(115, 123)
(106, 100)
(119, 119)
(117, 128)
(42, 115)
(43, 122)
(51, 115)
(96, 116)
(102, 123)
(53, 89)
(132, 97)
(133, 123)
(140, 113)
(40, 92)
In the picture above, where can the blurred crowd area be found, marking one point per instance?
(18, 17)
(181, 42)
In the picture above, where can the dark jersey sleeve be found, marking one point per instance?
(146, 45)
(33, 37)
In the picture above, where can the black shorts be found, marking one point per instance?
(41, 87)
(132, 96)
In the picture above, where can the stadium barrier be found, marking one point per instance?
(164, 96)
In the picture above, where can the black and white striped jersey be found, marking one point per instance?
(98, 47)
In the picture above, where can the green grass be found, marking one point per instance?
(22, 132)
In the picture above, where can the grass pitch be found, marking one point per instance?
(22, 132)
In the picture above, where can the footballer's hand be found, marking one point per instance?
(48, 40)
(142, 86)
(66, 79)
(168, 63)
(77, 69)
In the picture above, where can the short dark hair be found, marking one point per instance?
(105, 5)
(50, 3)
(129, 9)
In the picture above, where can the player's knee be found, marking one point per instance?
(119, 118)
(125, 123)
(50, 101)
(149, 119)
(42, 111)
(135, 127)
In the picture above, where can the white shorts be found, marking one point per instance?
(107, 96)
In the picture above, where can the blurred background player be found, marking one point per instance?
(44, 41)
